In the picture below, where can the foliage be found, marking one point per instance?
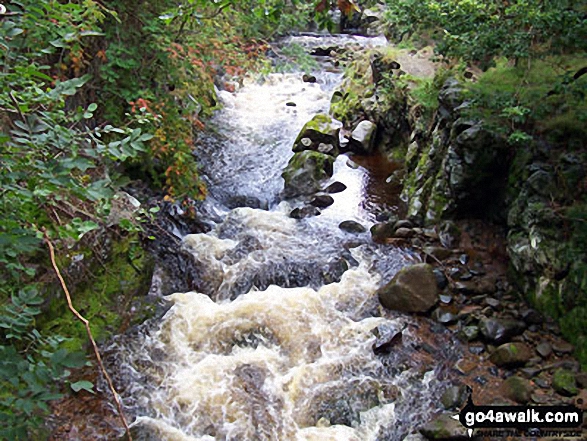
(533, 101)
(476, 30)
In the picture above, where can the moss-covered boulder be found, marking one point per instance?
(320, 134)
(305, 173)
(517, 389)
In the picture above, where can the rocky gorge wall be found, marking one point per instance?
(458, 167)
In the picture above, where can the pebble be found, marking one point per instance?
(494, 303)
(470, 333)
(444, 298)
(443, 316)
(464, 259)
(403, 223)
(476, 349)
(481, 380)
(532, 317)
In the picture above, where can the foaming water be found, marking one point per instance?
(276, 341)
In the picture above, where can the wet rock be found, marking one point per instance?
(362, 138)
(511, 355)
(544, 349)
(319, 134)
(564, 382)
(443, 316)
(562, 348)
(322, 201)
(530, 372)
(382, 231)
(464, 259)
(501, 330)
(444, 427)
(455, 396)
(352, 227)
(412, 289)
(388, 335)
(403, 223)
(246, 201)
(517, 389)
(404, 233)
(304, 212)
(307, 78)
(335, 187)
(305, 172)
(290, 104)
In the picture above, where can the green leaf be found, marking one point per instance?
(83, 384)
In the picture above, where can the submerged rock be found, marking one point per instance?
(412, 289)
(304, 212)
(305, 173)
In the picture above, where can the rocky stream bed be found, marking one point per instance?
(343, 287)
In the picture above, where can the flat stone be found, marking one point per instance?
(511, 355)
(494, 303)
(443, 316)
(544, 349)
(562, 347)
(465, 366)
(412, 289)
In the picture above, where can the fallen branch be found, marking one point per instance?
(90, 336)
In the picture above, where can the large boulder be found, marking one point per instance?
(412, 289)
(320, 134)
(305, 172)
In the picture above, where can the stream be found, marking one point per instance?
(278, 342)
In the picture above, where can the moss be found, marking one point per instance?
(103, 294)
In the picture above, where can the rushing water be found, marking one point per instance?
(279, 343)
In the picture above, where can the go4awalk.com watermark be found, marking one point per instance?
(538, 421)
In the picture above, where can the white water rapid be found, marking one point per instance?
(280, 346)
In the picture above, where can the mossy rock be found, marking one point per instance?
(103, 291)
(305, 173)
(319, 134)
(564, 382)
